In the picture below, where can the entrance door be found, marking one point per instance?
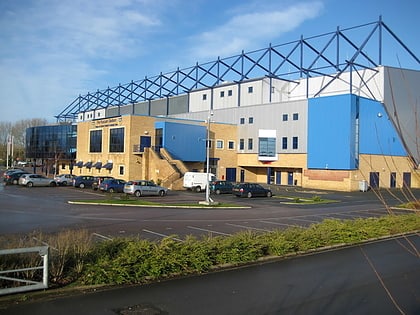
(407, 180)
(374, 179)
(145, 142)
(270, 175)
(290, 178)
(231, 174)
(393, 181)
(278, 178)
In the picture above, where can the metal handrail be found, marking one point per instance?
(30, 284)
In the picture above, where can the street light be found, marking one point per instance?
(208, 200)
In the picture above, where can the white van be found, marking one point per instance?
(197, 181)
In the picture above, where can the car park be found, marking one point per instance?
(64, 179)
(144, 187)
(83, 181)
(13, 177)
(112, 185)
(221, 187)
(97, 180)
(251, 190)
(30, 180)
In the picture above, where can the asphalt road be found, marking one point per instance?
(24, 210)
(376, 278)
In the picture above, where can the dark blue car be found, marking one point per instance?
(112, 185)
(250, 190)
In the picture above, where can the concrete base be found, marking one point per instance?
(208, 203)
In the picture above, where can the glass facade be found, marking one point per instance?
(51, 142)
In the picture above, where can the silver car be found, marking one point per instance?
(64, 179)
(144, 187)
(30, 180)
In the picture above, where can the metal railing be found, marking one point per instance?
(29, 285)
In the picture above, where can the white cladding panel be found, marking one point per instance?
(225, 96)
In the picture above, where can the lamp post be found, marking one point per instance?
(208, 200)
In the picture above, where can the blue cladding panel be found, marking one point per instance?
(377, 133)
(184, 142)
(331, 132)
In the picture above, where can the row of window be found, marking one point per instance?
(229, 93)
(267, 146)
(285, 117)
(116, 140)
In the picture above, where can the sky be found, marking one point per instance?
(51, 51)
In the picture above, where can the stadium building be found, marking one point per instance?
(324, 112)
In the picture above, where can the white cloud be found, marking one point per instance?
(251, 30)
(54, 50)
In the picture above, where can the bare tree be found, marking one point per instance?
(18, 131)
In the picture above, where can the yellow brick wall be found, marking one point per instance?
(149, 166)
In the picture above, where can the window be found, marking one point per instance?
(116, 140)
(295, 116)
(121, 170)
(267, 147)
(229, 92)
(241, 144)
(251, 120)
(204, 97)
(222, 93)
(242, 121)
(285, 117)
(250, 89)
(250, 144)
(231, 145)
(95, 141)
(219, 144)
(295, 143)
(284, 143)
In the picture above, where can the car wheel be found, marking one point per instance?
(197, 189)
(269, 194)
(161, 193)
(218, 192)
(82, 185)
(249, 194)
(53, 184)
(30, 184)
(137, 193)
(111, 190)
(15, 182)
(64, 183)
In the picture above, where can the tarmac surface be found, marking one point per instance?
(380, 277)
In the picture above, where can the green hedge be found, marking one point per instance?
(124, 261)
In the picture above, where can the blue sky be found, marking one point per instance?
(52, 50)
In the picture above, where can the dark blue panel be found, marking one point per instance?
(184, 142)
(377, 133)
(332, 132)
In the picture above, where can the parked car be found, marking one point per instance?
(97, 180)
(112, 185)
(251, 190)
(30, 180)
(221, 187)
(83, 181)
(13, 177)
(144, 187)
(12, 170)
(64, 179)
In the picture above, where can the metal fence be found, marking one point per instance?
(26, 284)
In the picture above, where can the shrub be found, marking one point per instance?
(75, 258)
